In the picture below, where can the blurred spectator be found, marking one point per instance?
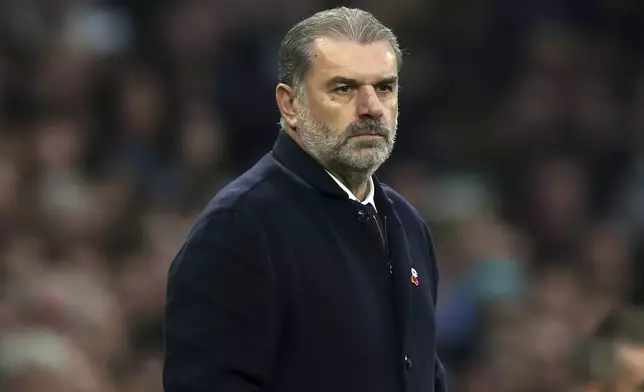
(34, 360)
(612, 357)
(521, 142)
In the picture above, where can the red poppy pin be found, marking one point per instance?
(414, 277)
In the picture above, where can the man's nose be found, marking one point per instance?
(368, 103)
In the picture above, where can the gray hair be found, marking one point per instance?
(296, 49)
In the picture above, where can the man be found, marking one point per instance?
(613, 357)
(306, 273)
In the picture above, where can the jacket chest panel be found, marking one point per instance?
(342, 293)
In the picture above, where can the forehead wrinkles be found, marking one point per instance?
(331, 56)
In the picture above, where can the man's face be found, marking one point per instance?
(348, 115)
(630, 369)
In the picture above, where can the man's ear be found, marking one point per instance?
(285, 97)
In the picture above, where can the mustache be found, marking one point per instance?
(367, 126)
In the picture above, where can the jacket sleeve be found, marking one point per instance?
(221, 318)
(440, 376)
(440, 380)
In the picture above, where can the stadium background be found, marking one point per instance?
(521, 141)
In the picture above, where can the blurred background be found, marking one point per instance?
(521, 141)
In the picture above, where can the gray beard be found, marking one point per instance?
(351, 159)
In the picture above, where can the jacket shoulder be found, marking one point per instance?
(253, 190)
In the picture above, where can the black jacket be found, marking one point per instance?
(284, 285)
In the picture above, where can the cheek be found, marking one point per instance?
(391, 109)
(333, 114)
(338, 120)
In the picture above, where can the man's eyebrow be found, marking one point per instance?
(341, 80)
(353, 82)
(387, 80)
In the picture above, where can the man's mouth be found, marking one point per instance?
(369, 135)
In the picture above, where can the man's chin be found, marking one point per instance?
(364, 160)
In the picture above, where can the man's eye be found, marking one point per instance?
(384, 88)
(343, 89)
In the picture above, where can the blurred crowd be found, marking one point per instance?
(521, 141)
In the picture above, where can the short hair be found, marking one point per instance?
(296, 49)
(597, 360)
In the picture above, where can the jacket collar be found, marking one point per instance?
(369, 198)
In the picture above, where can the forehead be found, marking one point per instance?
(333, 57)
